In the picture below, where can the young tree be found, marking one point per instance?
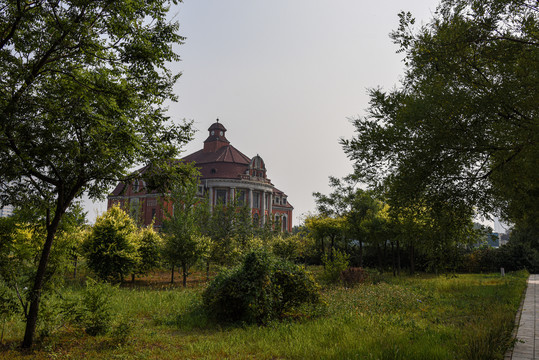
(230, 228)
(184, 245)
(20, 244)
(355, 205)
(149, 245)
(82, 88)
(463, 126)
(112, 246)
(435, 230)
(323, 228)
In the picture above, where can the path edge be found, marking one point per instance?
(509, 353)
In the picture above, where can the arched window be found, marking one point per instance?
(285, 223)
(256, 219)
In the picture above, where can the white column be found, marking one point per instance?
(232, 195)
(210, 198)
(263, 207)
(251, 202)
(270, 205)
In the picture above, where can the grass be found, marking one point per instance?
(425, 317)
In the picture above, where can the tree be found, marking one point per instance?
(230, 228)
(184, 245)
(82, 89)
(323, 228)
(463, 127)
(112, 247)
(149, 245)
(20, 244)
(434, 230)
(352, 203)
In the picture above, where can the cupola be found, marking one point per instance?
(216, 138)
(257, 168)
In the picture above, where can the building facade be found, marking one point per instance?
(6, 211)
(226, 174)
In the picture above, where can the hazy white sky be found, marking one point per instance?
(285, 77)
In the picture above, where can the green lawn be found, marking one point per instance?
(422, 317)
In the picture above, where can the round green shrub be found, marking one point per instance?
(261, 289)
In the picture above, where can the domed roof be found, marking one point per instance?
(257, 163)
(217, 126)
(219, 159)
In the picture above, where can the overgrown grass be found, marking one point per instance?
(426, 317)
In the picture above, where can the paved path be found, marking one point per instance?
(527, 344)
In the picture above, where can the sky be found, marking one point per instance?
(285, 77)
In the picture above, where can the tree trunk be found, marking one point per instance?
(398, 258)
(172, 275)
(133, 278)
(331, 250)
(384, 254)
(185, 274)
(393, 259)
(412, 262)
(35, 294)
(379, 256)
(208, 270)
(360, 253)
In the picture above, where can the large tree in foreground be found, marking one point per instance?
(463, 127)
(82, 87)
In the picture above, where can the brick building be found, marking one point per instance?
(226, 173)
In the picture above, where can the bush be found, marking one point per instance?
(353, 276)
(261, 289)
(92, 311)
(286, 247)
(111, 249)
(333, 266)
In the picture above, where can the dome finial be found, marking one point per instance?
(217, 119)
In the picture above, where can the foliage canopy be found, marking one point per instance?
(463, 126)
(82, 91)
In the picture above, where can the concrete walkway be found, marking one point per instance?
(527, 343)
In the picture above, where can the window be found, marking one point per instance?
(200, 190)
(134, 208)
(153, 213)
(220, 196)
(256, 200)
(284, 201)
(285, 223)
(240, 197)
(135, 186)
(256, 219)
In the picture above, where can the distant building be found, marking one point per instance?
(493, 240)
(6, 211)
(504, 238)
(226, 174)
